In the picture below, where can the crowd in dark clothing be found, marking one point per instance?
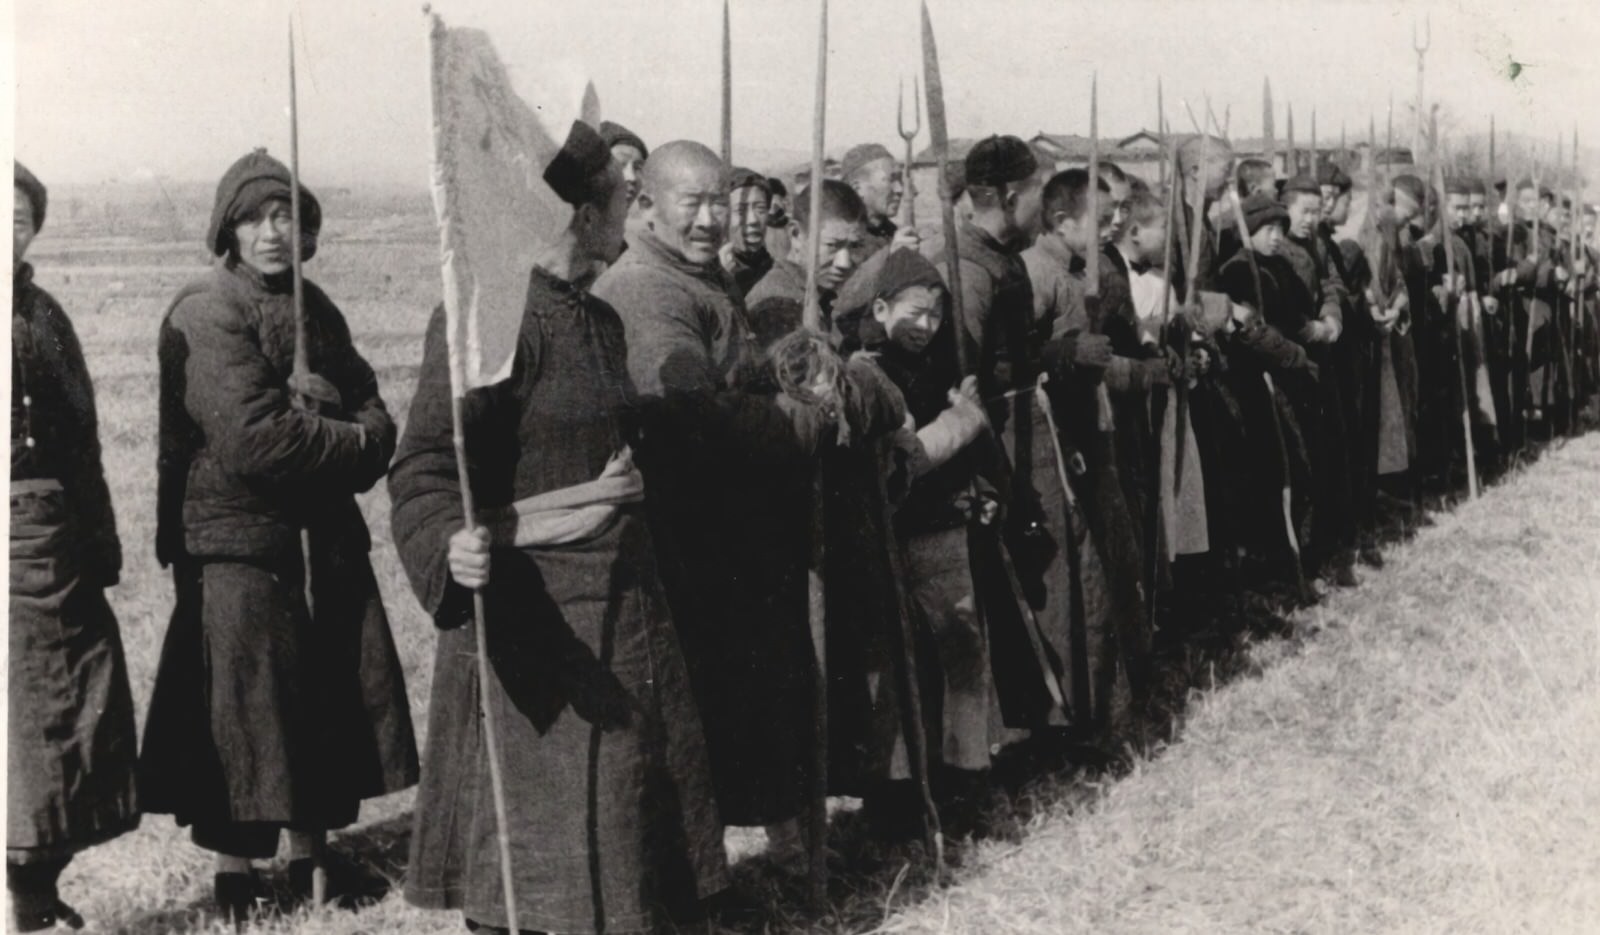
(734, 548)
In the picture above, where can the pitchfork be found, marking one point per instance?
(910, 195)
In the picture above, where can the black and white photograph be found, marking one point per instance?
(773, 467)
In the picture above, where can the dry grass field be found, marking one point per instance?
(1420, 755)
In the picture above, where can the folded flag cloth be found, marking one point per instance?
(567, 515)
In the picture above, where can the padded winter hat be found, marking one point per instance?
(34, 189)
(902, 270)
(1262, 209)
(245, 187)
(1330, 174)
(1301, 185)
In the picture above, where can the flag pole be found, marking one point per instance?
(491, 730)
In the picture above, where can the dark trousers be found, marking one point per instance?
(32, 887)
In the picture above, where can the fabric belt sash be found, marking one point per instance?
(567, 515)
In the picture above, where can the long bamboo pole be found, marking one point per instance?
(458, 438)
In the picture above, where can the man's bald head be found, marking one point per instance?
(681, 160)
(683, 199)
(1218, 162)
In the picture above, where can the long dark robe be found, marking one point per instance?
(728, 472)
(955, 577)
(1272, 454)
(266, 714)
(1314, 283)
(1359, 357)
(608, 794)
(70, 742)
(1096, 652)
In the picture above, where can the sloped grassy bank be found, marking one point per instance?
(1428, 759)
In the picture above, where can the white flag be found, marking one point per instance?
(494, 209)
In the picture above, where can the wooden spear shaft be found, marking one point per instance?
(1452, 302)
(1491, 147)
(1161, 130)
(302, 351)
(1158, 404)
(1292, 165)
(1314, 142)
(1269, 142)
(302, 368)
(727, 88)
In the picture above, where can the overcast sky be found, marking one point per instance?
(182, 87)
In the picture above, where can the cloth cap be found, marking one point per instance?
(1262, 209)
(1301, 185)
(1330, 174)
(999, 160)
(615, 134)
(748, 178)
(248, 184)
(1457, 185)
(1414, 188)
(902, 270)
(583, 156)
(1475, 186)
(34, 189)
(861, 156)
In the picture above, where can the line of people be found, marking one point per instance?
(1139, 411)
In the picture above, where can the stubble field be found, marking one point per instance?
(1419, 755)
